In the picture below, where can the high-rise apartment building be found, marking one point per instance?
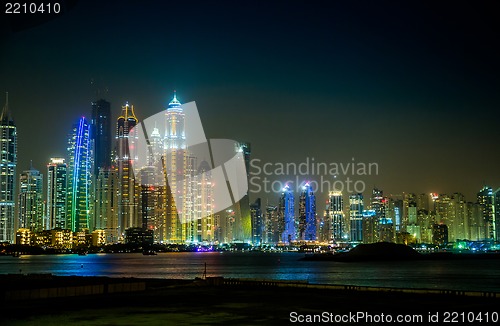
(257, 227)
(286, 211)
(57, 175)
(307, 214)
(30, 201)
(486, 199)
(356, 208)
(8, 163)
(106, 204)
(335, 213)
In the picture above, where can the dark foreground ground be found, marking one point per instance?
(171, 302)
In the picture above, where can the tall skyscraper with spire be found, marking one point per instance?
(128, 194)
(79, 190)
(175, 156)
(56, 193)
(8, 163)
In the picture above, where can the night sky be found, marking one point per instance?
(411, 85)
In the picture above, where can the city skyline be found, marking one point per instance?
(420, 81)
(155, 152)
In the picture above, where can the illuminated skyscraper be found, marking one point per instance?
(8, 163)
(486, 199)
(56, 193)
(128, 193)
(243, 222)
(31, 200)
(377, 204)
(412, 227)
(175, 156)
(457, 217)
(440, 234)
(203, 203)
(368, 225)
(101, 135)
(106, 204)
(356, 208)
(286, 211)
(257, 227)
(441, 206)
(396, 211)
(408, 199)
(272, 230)
(496, 214)
(423, 202)
(475, 221)
(153, 189)
(307, 214)
(79, 190)
(335, 213)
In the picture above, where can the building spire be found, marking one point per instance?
(5, 112)
(127, 112)
(174, 103)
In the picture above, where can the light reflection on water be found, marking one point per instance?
(480, 275)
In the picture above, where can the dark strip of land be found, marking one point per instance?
(198, 302)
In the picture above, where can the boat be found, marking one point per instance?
(82, 253)
(16, 254)
(149, 252)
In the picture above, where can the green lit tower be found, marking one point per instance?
(79, 187)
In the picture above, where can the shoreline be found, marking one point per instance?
(211, 301)
(35, 286)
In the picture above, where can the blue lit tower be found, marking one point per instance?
(286, 216)
(307, 214)
(79, 176)
(8, 163)
(175, 169)
(356, 208)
